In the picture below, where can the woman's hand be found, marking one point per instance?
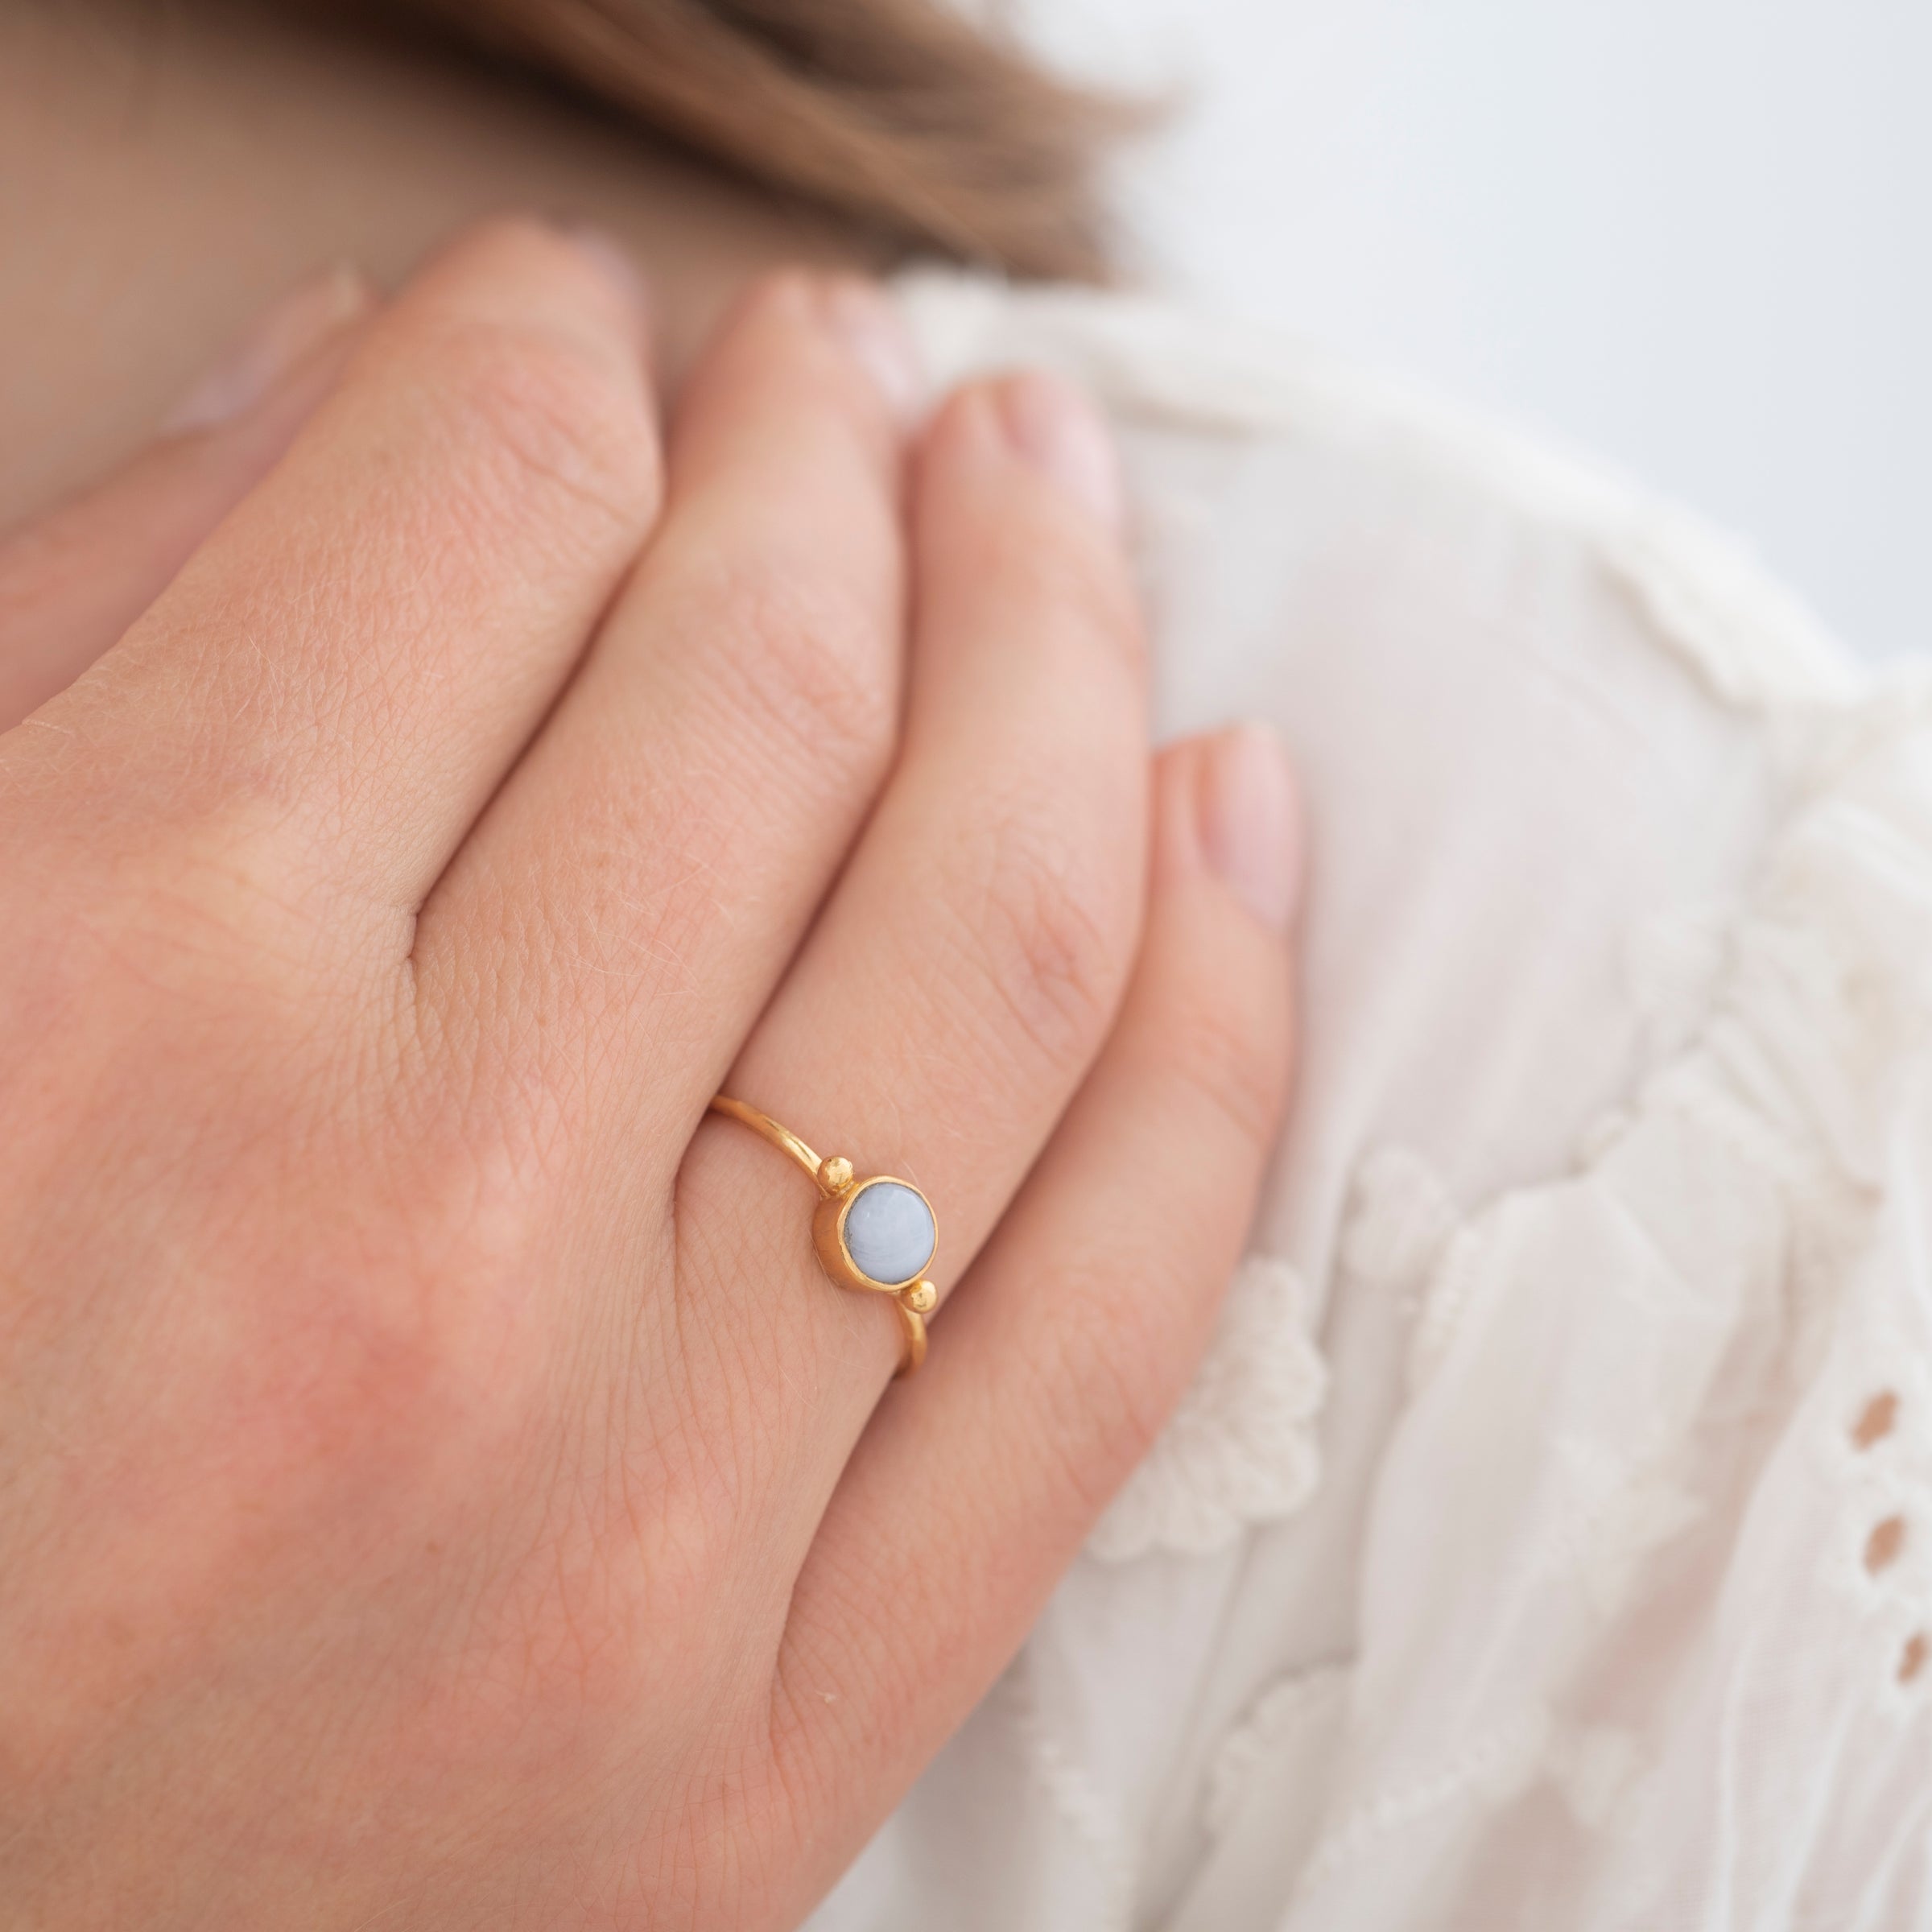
(435, 1479)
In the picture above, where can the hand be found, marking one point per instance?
(435, 1479)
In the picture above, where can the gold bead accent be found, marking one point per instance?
(921, 1297)
(835, 1175)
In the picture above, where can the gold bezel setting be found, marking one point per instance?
(838, 1186)
(835, 1252)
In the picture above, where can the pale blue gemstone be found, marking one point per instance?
(888, 1231)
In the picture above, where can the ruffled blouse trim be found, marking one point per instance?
(1241, 1448)
(1728, 1266)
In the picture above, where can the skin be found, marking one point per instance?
(436, 1483)
(167, 169)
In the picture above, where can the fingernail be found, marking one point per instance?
(874, 335)
(287, 331)
(614, 262)
(1251, 823)
(1056, 429)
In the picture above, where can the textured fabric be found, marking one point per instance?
(1547, 1541)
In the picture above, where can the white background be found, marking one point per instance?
(1690, 236)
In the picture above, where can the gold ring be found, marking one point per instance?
(877, 1235)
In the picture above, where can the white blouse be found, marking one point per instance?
(1546, 1542)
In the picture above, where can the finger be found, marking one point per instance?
(966, 969)
(72, 581)
(1074, 1334)
(657, 854)
(341, 675)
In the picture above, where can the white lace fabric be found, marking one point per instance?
(1546, 1542)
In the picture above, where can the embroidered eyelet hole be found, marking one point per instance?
(1877, 1420)
(1883, 1544)
(1912, 1660)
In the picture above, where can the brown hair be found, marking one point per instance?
(900, 115)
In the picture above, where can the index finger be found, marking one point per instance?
(329, 691)
(72, 581)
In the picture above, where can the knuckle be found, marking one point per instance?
(1053, 930)
(1077, 584)
(551, 422)
(1088, 583)
(801, 649)
(1231, 1056)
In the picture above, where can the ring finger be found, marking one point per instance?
(965, 971)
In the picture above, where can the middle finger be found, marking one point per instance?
(621, 912)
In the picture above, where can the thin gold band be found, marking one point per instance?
(781, 1137)
(838, 1188)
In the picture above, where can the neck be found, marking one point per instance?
(166, 172)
